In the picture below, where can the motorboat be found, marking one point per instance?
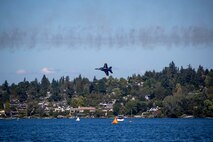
(120, 118)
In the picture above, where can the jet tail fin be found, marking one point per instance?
(110, 69)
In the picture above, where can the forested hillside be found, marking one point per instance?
(174, 91)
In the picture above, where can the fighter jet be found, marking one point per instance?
(105, 69)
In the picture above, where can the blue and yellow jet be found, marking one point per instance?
(105, 69)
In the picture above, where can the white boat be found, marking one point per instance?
(120, 118)
(77, 119)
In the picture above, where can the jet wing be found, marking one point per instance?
(105, 66)
(107, 73)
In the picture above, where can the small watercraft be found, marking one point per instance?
(120, 118)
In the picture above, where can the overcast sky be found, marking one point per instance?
(64, 37)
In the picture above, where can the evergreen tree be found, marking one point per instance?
(45, 86)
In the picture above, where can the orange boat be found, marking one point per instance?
(115, 121)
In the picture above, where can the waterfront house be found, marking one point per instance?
(83, 109)
(2, 113)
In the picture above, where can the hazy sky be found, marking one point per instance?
(65, 37)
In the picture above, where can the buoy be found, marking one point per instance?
(78, 119)
(115, 121)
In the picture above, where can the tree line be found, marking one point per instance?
(177, 91)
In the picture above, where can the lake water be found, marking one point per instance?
(101, 130)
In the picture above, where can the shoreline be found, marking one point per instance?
(17, 118)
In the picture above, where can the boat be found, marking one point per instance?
(115, 121)
(77, 119)
(120, 118)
